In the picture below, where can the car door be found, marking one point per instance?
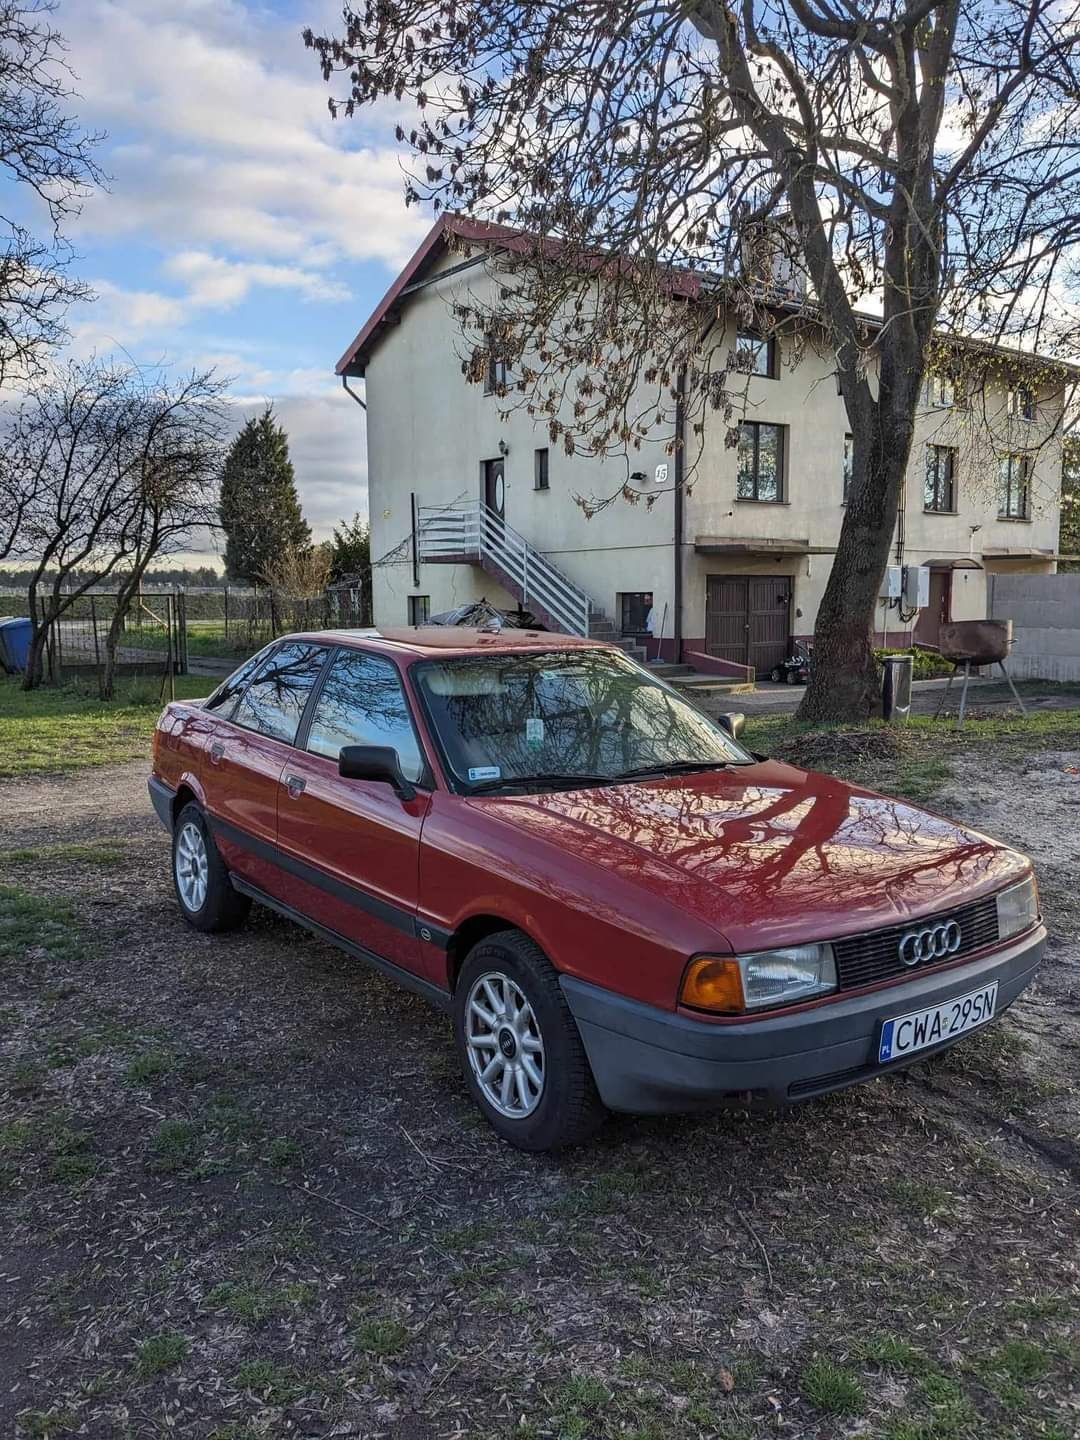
(245, 758)
(353, 846)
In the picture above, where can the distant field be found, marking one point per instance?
(205, 637)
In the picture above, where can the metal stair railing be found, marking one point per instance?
(472, 531)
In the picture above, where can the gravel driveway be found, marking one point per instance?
(244, 1194)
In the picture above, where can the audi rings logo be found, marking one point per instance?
(932, 942)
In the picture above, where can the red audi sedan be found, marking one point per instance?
(619, 904)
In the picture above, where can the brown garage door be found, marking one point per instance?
(747, 619)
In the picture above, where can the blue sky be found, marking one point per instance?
(241, 226)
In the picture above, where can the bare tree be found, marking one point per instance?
(44, 151)
(175, 454)
(658, 166)
(118, 468)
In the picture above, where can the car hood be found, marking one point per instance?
(768, 854)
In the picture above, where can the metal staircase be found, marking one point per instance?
(470, 533)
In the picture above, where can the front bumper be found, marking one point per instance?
(647, 1060)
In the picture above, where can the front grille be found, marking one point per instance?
(868, 959)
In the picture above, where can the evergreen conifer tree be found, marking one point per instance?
(259, 507)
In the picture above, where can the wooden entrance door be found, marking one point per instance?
(495, 486)
(929, 623)
(747, 619)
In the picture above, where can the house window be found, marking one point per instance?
(849, 464)
(1022, 403)
(419, 609)
(540, 469)
(497, 377)
(761, 462)
(634, 607)
(941, 391)
(1014, 487)
(940, 490)
(756, 354)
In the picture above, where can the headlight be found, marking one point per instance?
(1018, 908)
(767, 977)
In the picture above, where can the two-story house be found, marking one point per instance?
(470, 500)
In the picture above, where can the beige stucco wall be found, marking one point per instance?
(429, 430)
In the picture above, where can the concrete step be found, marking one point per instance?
(703, 685)
(668, 671)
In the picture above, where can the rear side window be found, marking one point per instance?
(363, 703)
(224, 697)
(275, 699)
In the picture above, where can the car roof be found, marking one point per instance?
(428, 640)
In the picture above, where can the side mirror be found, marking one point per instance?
(734, 724)
(374, 762)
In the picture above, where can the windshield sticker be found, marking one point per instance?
(485, 772)
(534, 732)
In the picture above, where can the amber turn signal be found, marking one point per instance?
(712, 984)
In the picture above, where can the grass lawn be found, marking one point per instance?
(916, 757)
(69, 728)
(205, 637)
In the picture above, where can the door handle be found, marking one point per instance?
(295, 785)
(217, 750)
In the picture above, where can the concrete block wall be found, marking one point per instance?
(1045, 611)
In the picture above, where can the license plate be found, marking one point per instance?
(923, 1028)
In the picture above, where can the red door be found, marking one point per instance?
(246, 755)
(358, 846)
(241, 778)
(352, 847)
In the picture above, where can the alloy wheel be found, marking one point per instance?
(192, 866)
(505, 1046)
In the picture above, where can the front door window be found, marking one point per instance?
(363, 703)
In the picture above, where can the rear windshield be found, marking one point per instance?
(588, 713)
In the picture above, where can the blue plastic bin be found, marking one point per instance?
(14, 644)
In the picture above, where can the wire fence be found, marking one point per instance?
(174, 632)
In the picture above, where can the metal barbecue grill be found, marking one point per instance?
(975, 642)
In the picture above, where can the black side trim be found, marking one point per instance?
(441, 999)
(384, 910)
(162, 797)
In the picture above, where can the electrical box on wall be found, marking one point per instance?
(891, 583)
(916, 587)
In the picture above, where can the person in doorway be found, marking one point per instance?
(650, 616)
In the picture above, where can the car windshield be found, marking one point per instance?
(561, 718)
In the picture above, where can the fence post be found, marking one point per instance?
(181, 632)
(226, 612)
(171, 617)
(93, 622)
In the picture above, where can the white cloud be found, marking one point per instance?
(217, 283)
(224, 161)
(232, 141)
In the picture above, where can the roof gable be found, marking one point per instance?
(435, 244)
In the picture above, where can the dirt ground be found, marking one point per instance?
(243, 1193)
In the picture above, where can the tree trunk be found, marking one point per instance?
(107, 682)
(39, 635)
(844, 680)
(35, 670)
(125, 596)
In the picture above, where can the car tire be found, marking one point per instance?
(564, 1109)
(792, 677)
(204, 891)
(776, 674)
